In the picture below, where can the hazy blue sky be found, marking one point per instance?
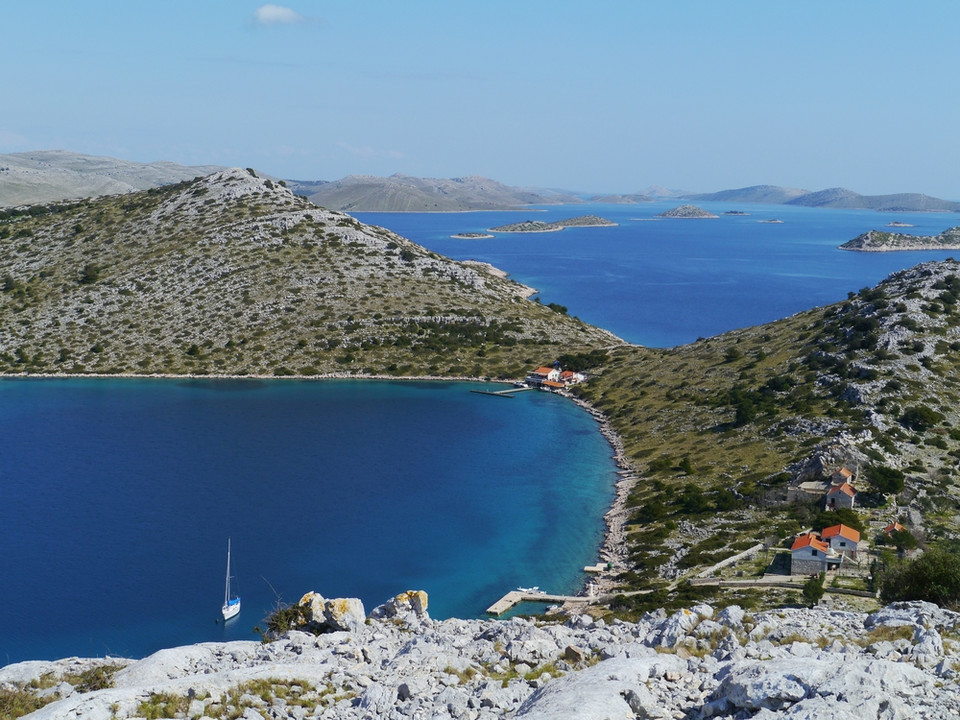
(605, 96)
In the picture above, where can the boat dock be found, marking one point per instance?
(515, 597)
(508, 393)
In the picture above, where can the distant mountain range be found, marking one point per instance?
(832, 198)
(403, 193)
(50, 175)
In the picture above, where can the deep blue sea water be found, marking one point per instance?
(667, 282)
(117, 497)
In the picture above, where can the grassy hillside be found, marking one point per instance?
(233, 274)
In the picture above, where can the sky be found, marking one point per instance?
(590, 96)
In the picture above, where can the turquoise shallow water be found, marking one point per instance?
(117, 498)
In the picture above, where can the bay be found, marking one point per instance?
(117, 497)
(666, 282)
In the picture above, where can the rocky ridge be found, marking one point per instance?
(52, 175)
(900, 662)
(234, 274)
(403, 193)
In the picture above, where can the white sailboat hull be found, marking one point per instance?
(231, 609)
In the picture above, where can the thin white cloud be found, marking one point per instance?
(276, 15)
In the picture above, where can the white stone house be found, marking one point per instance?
(842, 539)
(809, 555)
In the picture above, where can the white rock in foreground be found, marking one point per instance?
(794, 663)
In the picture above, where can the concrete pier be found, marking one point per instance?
(508, 393)
(516, 596)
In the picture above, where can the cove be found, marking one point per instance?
(117, 497)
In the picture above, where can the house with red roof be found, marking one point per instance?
(842, 539)
(893, 527)
(809, 555)
(842, 475)
(841, 496)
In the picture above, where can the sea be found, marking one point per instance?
(666, 282)
(118, 496)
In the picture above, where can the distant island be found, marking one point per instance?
(632, 199)
(880, 241)
(472, 236)
(830, 198)
(687, 211)
(404, 193)
(736, 212)
(899, 224)
(538, 226)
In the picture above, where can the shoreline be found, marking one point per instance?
(612, 548)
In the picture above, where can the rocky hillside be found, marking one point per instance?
(234, 274)
(901, 662)
(719, 429)
(403, 193)
(880, 241)
(51, 175)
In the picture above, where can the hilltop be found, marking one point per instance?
(234, 274)
(52, 175)
(403, 193)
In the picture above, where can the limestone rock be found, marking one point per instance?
(326, 615)
(412, 603)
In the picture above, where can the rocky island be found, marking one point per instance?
(538, 226)
(687, 211)
(880, 241)
(472, 236)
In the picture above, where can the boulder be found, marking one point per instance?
(330, 615)
(611, 689)
(410, 605)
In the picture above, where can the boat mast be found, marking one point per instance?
(226, 589)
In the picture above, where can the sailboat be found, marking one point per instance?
(231, 606)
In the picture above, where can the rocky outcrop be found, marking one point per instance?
(900, 662)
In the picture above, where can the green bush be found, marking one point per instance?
(885, 479)
(920, 418)
(813, 590)
(933, 577)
